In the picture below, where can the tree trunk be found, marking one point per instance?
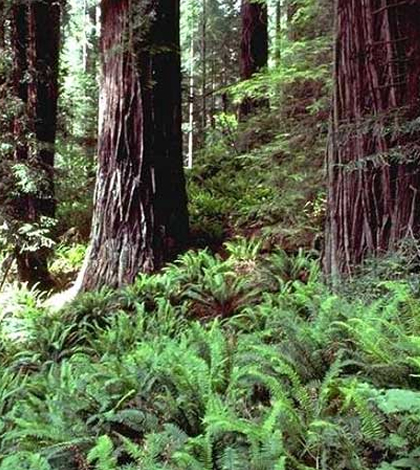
(254, 47)
(213, 91)
(90, 83)
(2, 24)
(35, 37)
(20, 43)
(85, 39)
(204, 69)
(140, 215)
(291, 10)
(90, 39)
(277, 50)
(170, 205)
(373, 169)
(191, 104)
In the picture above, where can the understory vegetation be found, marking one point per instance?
(239, 355)
(242, 361)
(258, 179)
(245, 352)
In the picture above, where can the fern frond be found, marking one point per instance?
(103, 454)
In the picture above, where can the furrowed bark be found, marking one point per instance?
(35, 39)
(373, 168)
(254, 48)
(140, 216)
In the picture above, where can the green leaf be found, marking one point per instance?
(399, 401)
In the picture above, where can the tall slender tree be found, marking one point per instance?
(140, 214)
(91, 25)
(373, 167)
(35, 39)
(191, 102)
(292, 8)
(254, 46)
(2, 23)
(278, 32)
(204, 67)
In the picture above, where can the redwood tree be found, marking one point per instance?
(140, 214)
(373, 168)
(254, 46)
(35, 40)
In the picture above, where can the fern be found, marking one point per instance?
(25, 461)
(233, 459)
(357, 395)
(242, 249)
(103, 454)
(298, 378)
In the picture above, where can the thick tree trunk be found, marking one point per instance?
(35, 38)
(170, 202)
(140, 215)
(44, 49)
(254, 47)
(373, 168)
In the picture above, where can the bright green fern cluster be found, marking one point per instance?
(245, 361)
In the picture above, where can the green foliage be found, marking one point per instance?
(67, 261)
(21, 175)
(400, 401)
(264, 177)
(103, 454)
(25, 461)
(238, 360)
(295, 376)
(267, 184)
(75, 182)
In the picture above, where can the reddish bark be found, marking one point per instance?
(140, 214)
(373, 169)
(35, 39)
(254, 46)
